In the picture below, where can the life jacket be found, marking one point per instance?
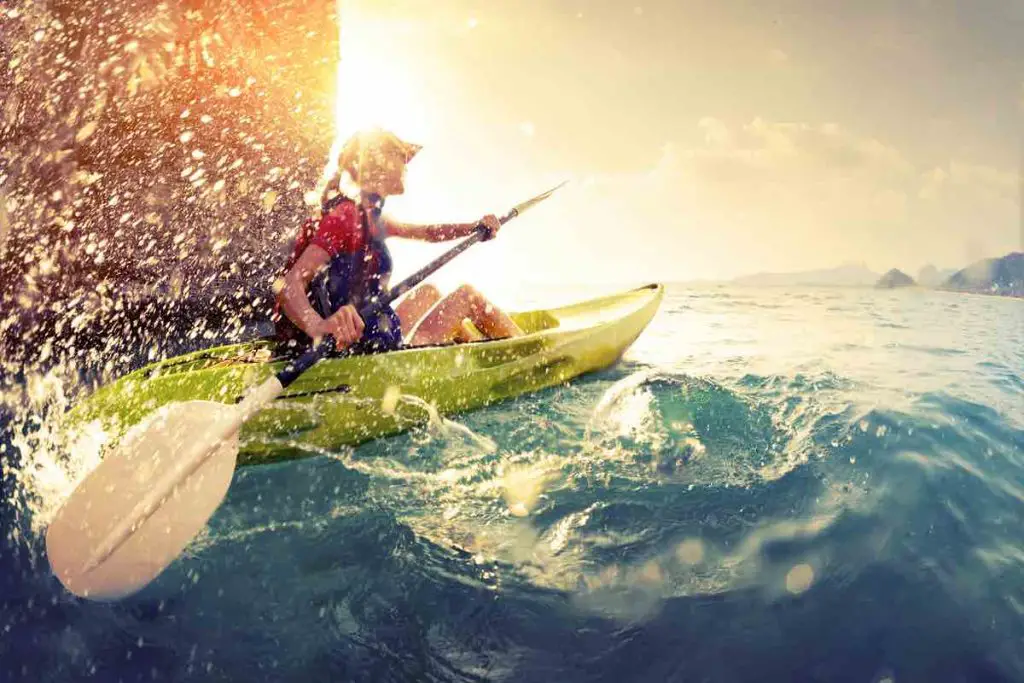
(350, 278)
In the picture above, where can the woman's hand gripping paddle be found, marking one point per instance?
(146, 501)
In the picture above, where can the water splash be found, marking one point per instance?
(444, 427)
(549, 505)
(693, 429)
(46, 460)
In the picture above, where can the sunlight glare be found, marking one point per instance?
(372, 84)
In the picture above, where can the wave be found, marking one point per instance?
(634, 498)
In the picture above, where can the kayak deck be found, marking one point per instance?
(348, 400)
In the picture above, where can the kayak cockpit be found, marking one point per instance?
(532, 322)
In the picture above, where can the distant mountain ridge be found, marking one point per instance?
(1003, 276)
(846, 275)
(930, 276)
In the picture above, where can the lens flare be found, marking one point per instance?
(372, 89)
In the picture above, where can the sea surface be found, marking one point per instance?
(771, 485)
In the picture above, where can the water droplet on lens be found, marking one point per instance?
(799, 578)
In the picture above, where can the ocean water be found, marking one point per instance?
(771, 485)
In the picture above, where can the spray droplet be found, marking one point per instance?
(690, 551)
(518, 510)
(389, 401)
(85, 131)
(651, 572)
(799, 578)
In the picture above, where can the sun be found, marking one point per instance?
(373, 83)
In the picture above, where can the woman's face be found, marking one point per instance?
(396, 182)
(386, 179)
(376, 162)
(391, 179)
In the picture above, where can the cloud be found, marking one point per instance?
(795, 148)
(781, 195)
(981, 182)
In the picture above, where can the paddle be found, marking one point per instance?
(146, 501)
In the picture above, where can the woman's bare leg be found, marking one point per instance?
(414, 306)
(444, 322)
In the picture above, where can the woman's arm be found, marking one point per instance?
(440, 232)
(431, 232)
(345, 326)
(292, 296)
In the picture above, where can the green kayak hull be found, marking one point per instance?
(347, 401)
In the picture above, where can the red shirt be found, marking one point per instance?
(338, 233)
(335, 234)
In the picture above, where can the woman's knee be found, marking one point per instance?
(419, 301)
(427, 292)
(470, 293)
(471, 297)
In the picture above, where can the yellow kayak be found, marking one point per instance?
(350, 400)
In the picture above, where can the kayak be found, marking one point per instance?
(346, 401)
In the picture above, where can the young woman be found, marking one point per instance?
(342, 261)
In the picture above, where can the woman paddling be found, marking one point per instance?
(341, 261)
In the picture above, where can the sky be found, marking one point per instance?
(704, 139)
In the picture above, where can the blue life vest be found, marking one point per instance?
(358, 278)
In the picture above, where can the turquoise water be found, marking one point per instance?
(779, 484)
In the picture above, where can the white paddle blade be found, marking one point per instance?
(102, 545)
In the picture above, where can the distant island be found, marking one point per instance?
(893, 279)
(930, 276)
(1003, 276)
